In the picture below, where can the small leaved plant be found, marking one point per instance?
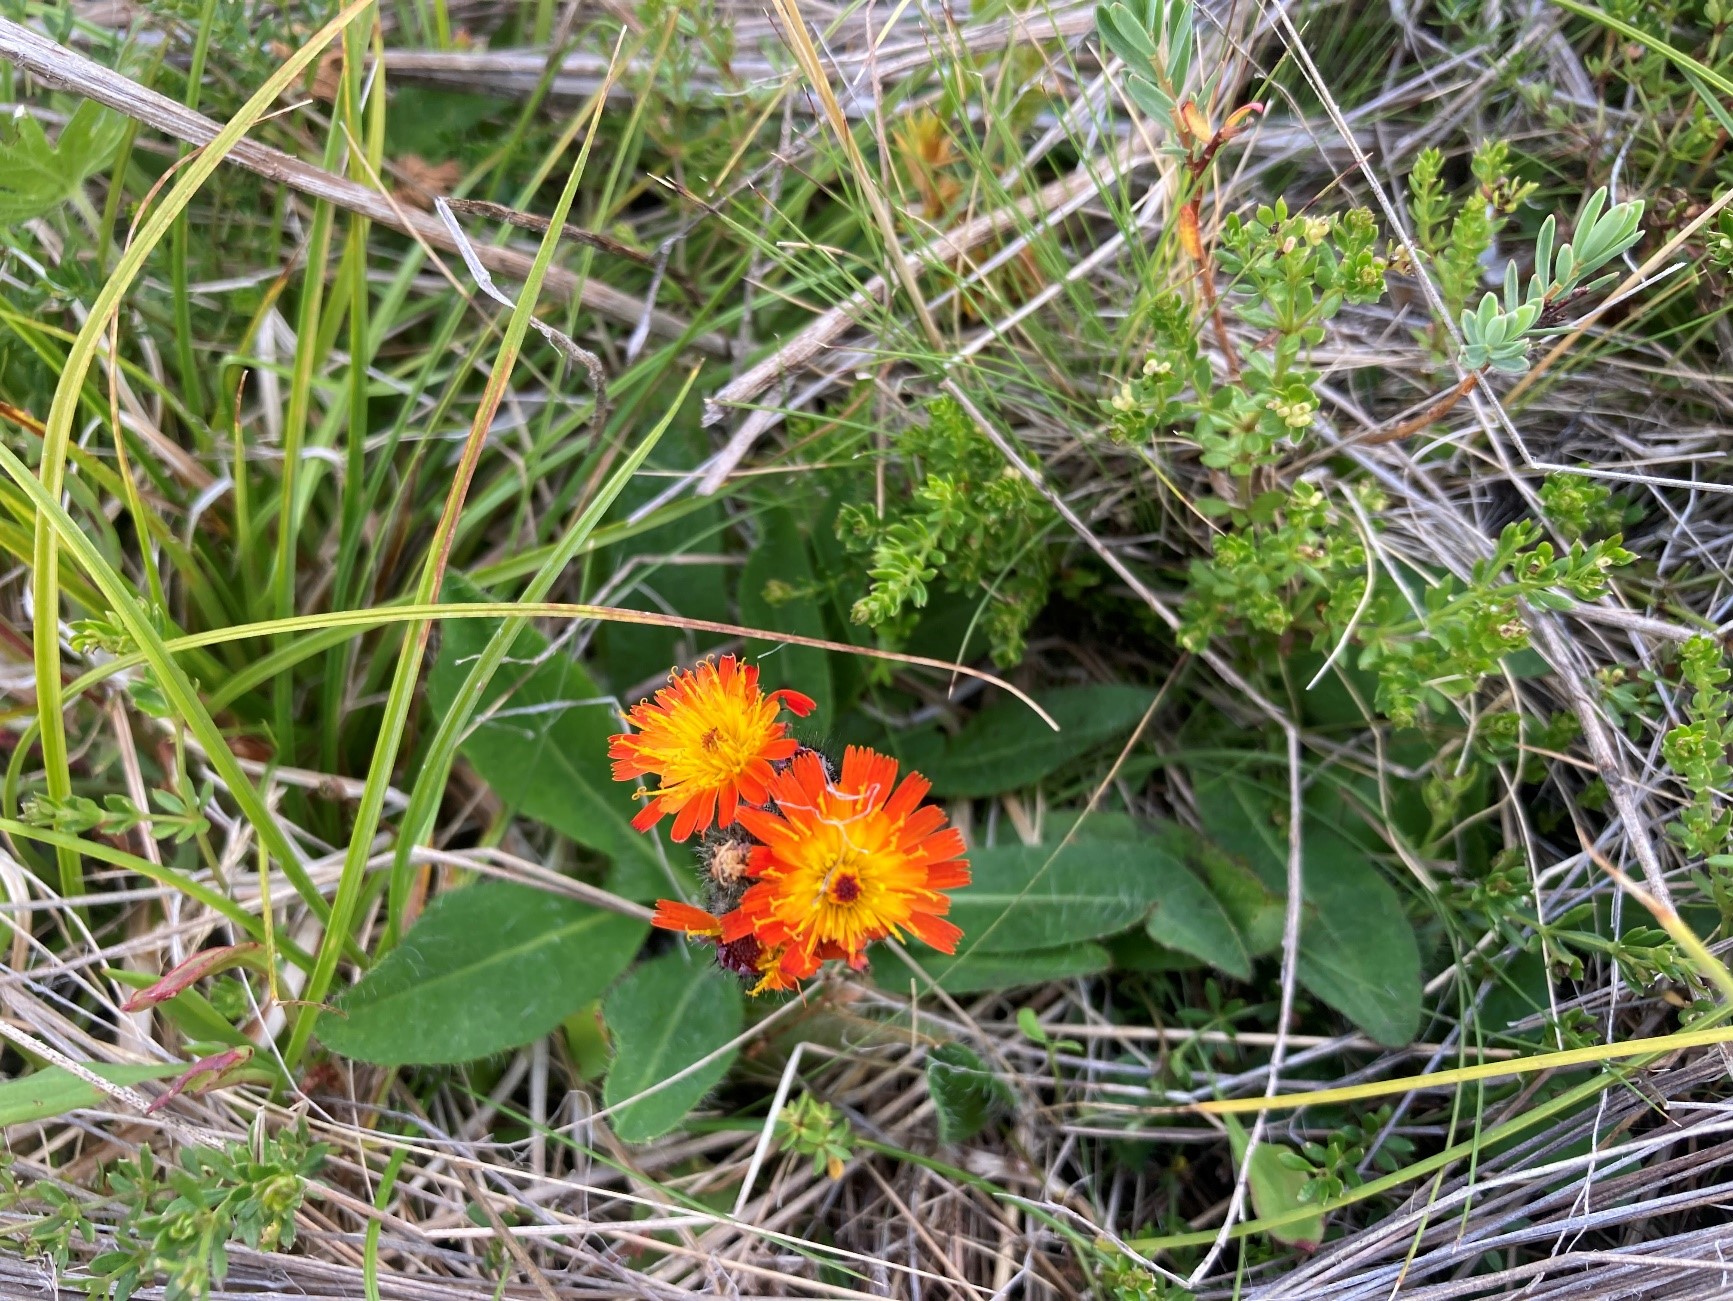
(1696, 750)
(1498, 334)
(175, 1223)
(1455, 238)
(810, 1127)
(1335, 1165)
(1288, 559)
(969, 521)
(1291, 274)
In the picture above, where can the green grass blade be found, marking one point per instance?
(63, 410)
(401, 695)
(436, 765)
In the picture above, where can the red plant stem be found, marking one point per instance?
(1434, 413)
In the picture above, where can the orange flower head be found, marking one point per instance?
(710, 737)
(848, 861)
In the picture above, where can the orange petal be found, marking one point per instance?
(1194, 121)
(909, 796)
(648, 816)
(763, 825)
(804, 779)
(948, 876)
(938, 932)
(736, 925)
(798, 705)
(686, 821)
(943, 845)
(672, 915)
(1189, 238)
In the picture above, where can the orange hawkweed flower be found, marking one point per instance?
(710, 737)
(848, 861)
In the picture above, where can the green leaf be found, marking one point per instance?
(53, 1091)
(966, 974)
(1358, 952)
(1125, 35)
(1030, 1024)
(1256, 910)
(1189, 918)
(488, 967)
(192, 1012)
(587, 1041)
(1031, 910)
(1040, 897)
(545, 750)
(1275, 1188)
(35, 177)
(669, 1013)
(965, 1094)
(1136, 951)
(781, 560)
(1006, 746)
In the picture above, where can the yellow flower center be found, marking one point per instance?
(712, 743)
(849, 883)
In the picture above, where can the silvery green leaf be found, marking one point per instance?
(1543, 247)
(1153, 101)
(1565, 273)
(1121, 33)
(1183, 42)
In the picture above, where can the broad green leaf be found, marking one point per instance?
(1189, 918)
(1253, 906)
(1275, 1188)
(36, 177)
(587, 1041)
(1041, 897)
(1100, 825)
(544, 750)
(488, 967)
(52, 1091)
(1358, 952)
(1136, 951)
(669, 1013)
(1121, 30)
(1255, 910)
(965, 1094)
(778, 592)
(1007, 747)
(439, 121)
(965, 974)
